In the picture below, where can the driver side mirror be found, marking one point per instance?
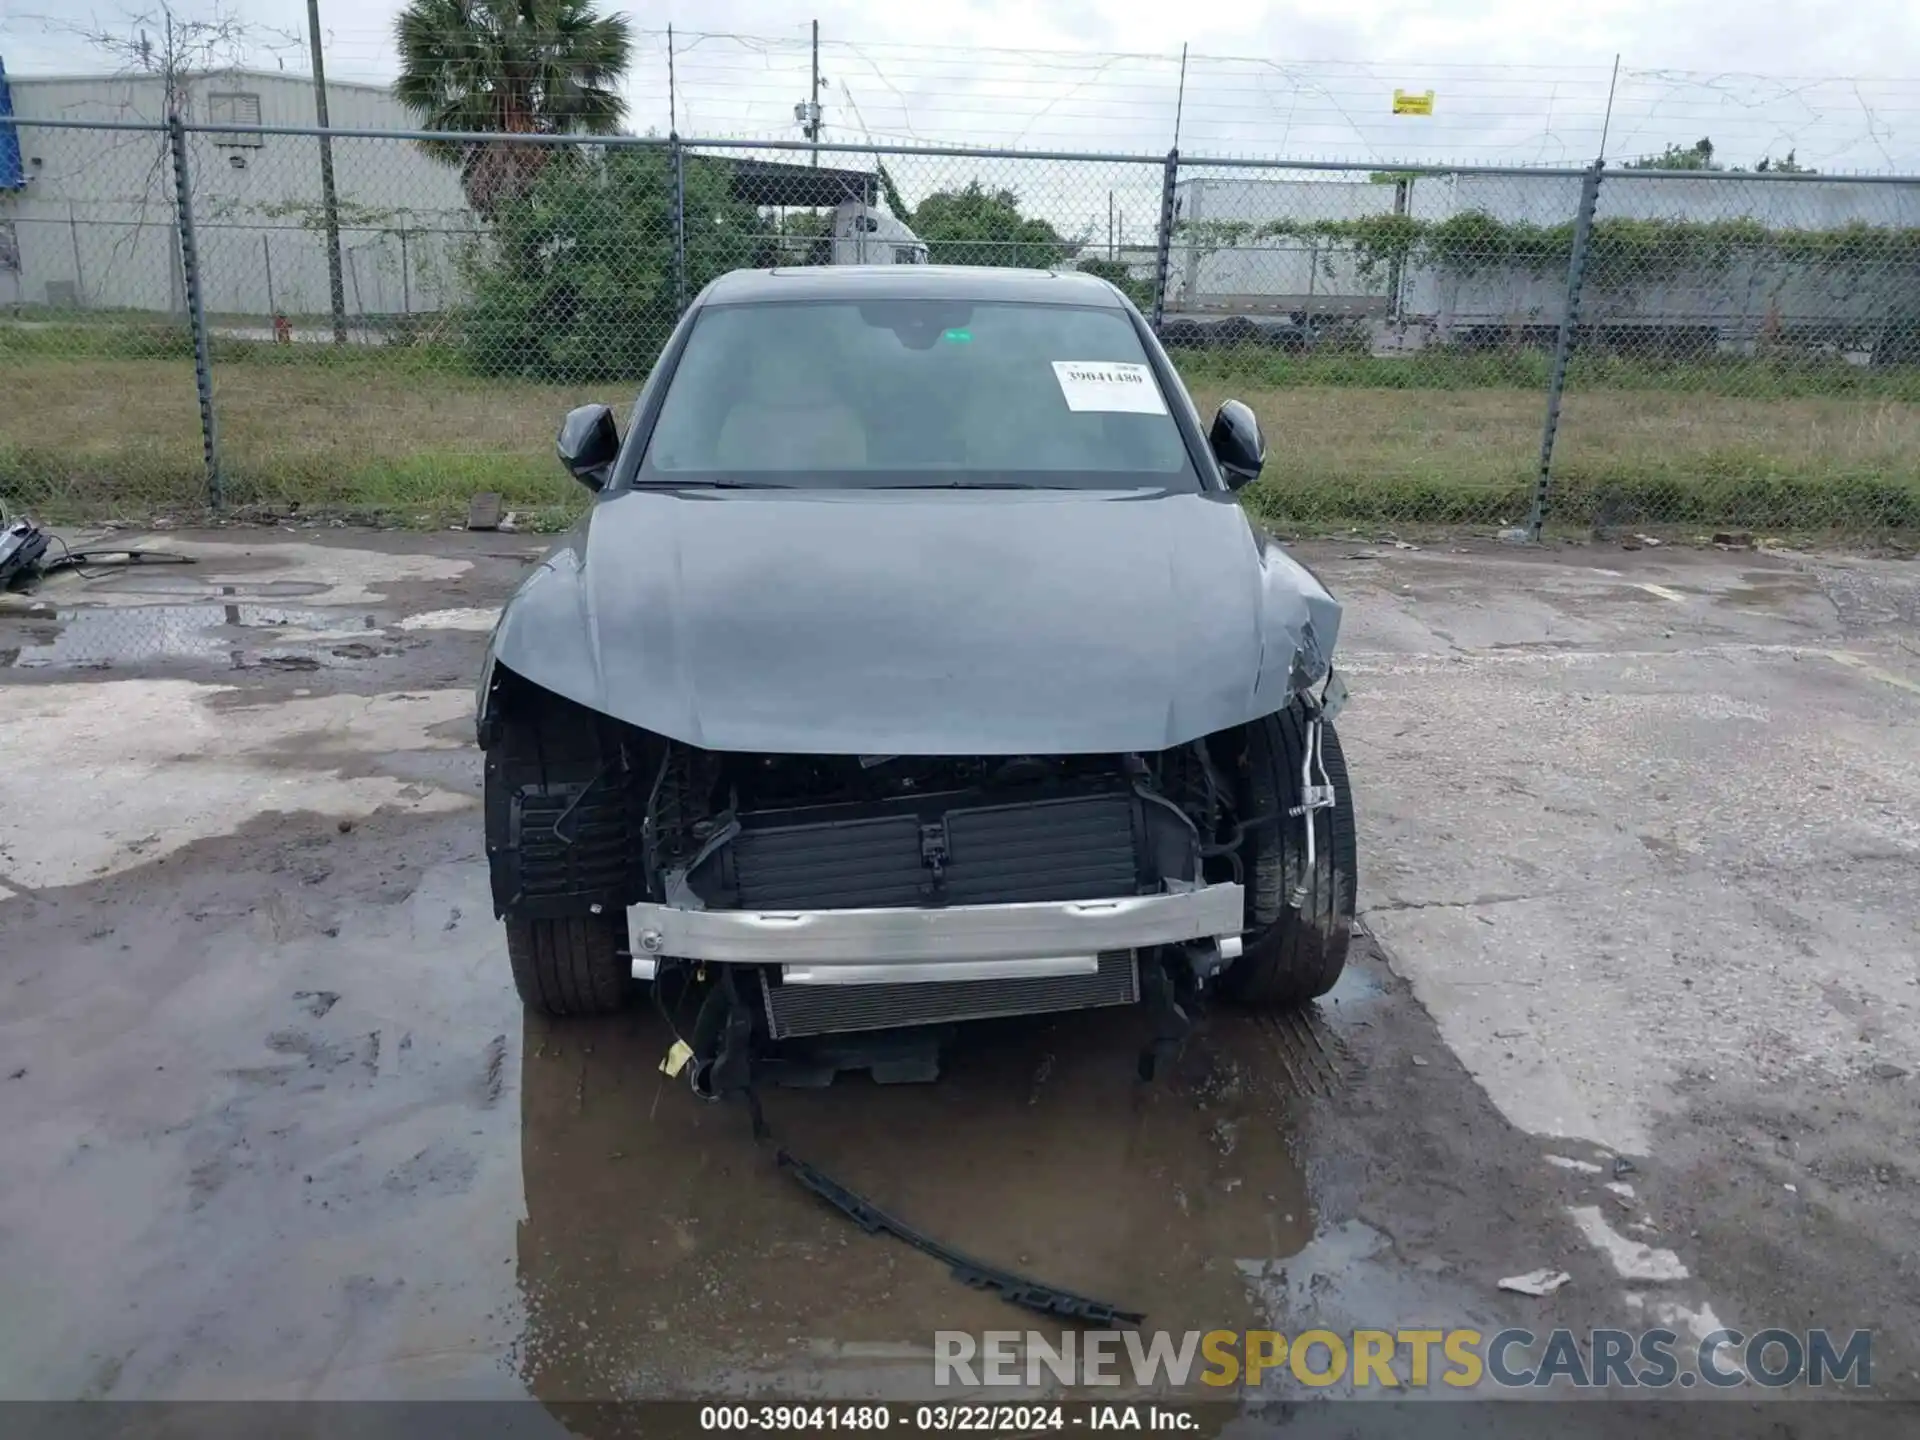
(588, 443)
(1237, 444)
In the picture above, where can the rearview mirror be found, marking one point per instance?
(1237, 444)
(588, 443)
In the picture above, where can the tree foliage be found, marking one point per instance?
(1623, 251)
(978, 226)
(1697, 156)
(890, 192)
(518, 67)
(1116, 271)
(577, 280)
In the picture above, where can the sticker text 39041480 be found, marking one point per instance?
(1109, 385)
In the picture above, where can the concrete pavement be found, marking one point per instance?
(1638, 845)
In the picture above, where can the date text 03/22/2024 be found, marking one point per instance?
(959, 1418)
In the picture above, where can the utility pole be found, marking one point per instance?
(329, 201)
(813, 112)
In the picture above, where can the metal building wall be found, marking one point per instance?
(95, 220)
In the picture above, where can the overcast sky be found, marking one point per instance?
(1515, 81)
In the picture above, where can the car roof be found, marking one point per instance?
(911, 282)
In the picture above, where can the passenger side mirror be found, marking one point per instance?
(1237, 444)
(588, 443)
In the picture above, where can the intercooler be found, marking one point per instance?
(795, 1010)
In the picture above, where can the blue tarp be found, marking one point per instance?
(12, 174)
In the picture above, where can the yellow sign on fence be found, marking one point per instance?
(1407, 103)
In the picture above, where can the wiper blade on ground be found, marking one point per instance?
(1031, 1294)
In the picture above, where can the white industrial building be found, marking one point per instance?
(93, 223)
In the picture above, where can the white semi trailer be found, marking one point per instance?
(1229, 280)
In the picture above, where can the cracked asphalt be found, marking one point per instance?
(1638, 1000)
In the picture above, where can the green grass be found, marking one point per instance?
(102, 420)
(1765, 378)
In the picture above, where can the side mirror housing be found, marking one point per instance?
(1237, 444)
(588, 443)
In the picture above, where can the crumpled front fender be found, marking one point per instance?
(545, 634)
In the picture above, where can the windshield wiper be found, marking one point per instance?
(691, 483)
(971, 485)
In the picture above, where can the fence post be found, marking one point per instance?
(79, 280)
(679, 225)
(1563, 346)
(196, 309)
(1164, 252)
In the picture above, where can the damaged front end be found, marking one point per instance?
(876, 892)
(785, 898)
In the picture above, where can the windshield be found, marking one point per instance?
(878, 393)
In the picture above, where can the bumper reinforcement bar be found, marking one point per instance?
(956, 933)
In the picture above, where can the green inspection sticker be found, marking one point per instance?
(958, 337)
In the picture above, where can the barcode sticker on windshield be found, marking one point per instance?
(1113, 385)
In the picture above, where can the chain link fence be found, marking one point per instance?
(96, 348)
(1748, 354)
(1321, 297)
(185, 319)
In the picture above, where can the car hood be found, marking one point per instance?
(941, 622)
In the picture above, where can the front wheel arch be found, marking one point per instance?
(1293, 955)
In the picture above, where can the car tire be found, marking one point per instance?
(576, 965)
(1292, 955)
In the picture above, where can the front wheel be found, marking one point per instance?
(1293, 954)
(577, 965)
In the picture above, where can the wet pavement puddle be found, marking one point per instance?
(238, 605)
(663, 1252)
(233, 634)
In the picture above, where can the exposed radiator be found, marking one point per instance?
(828, 1009)
(1073, 848)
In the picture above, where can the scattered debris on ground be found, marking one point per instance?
(483, 511)
(1537, 1283)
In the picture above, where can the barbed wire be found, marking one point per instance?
(745, 86)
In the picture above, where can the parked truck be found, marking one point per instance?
(866, 234)
(859, 228)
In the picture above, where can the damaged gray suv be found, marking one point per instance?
(914, 664)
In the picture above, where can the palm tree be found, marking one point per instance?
(519, 67)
